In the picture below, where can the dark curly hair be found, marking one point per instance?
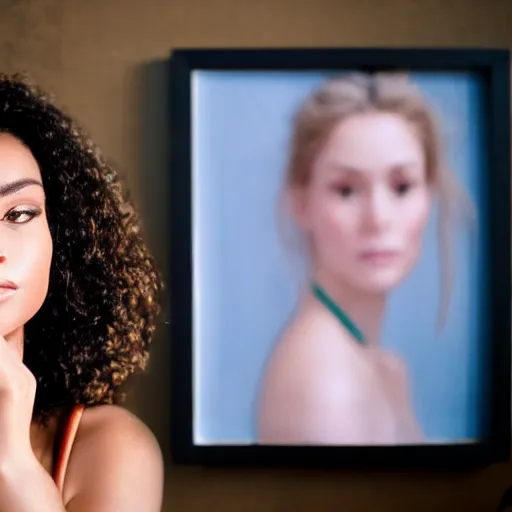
(95, 326)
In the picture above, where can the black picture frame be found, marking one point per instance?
(494, 66)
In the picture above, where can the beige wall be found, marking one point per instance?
(104, 61)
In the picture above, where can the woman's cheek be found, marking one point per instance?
(419, 216)
(334, 237)
(34, 270)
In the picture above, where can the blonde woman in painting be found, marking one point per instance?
(365, 167)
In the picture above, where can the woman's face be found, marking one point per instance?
(367, 203)
(25, 241)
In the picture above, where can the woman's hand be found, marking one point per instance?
(17, 393)
(117, 465)
(24, 483)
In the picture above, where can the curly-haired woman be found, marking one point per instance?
(79, 297)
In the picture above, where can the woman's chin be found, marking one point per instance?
(380, 282)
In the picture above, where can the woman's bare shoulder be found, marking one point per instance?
(308, 349)
(316, 391)
(115, 463)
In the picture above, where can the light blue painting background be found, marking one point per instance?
(243, 287)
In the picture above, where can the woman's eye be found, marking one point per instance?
(21, 216)
(403, 188)
(346, 191)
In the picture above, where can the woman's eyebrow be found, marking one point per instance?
(350, 169)
(17, 185)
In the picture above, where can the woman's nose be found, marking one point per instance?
(379, 211)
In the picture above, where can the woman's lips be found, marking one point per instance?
(380, 257)
(7, 290)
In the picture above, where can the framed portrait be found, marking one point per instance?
(340, 256)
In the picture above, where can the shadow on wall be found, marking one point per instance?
(150, 398)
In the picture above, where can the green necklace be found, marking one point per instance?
(338, 313)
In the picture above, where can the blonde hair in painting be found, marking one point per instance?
(357, 93)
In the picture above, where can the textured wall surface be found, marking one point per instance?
(103, 59)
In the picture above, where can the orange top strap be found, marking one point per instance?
(66, 444)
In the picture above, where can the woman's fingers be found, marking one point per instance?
(16, 380)
(9, 346)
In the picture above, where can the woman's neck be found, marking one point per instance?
(365, 310)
